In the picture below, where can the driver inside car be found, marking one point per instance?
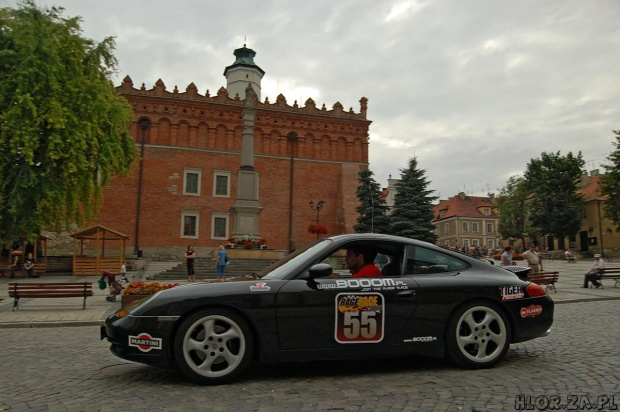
(360, 262)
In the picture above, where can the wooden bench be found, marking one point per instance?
(50, 290)
(610, 273)
(545, 278)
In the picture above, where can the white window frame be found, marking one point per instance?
(474, 243)
(487, 211)
(447, 242)
(225, 173)
(188, 214)
(474, 227)
(491, 243)
(490, 228)
(465, 227)
(446, 228)
(466, 243)
(192, 170)
(214, 216)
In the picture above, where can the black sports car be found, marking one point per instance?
(428, 301)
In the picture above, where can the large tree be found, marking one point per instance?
(63, 130)
(610, 184)
(512, 205)
(373, 217)
(413, 205)
(553, 180)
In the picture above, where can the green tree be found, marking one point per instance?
(512, 206)
(610, 184)
(553, 180)
(373, 217)
(63, 130)
(413, 205)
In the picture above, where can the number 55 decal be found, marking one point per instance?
(359, 317)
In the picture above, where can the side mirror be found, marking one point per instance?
(320, 270)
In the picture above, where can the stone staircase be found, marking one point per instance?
(204, 267)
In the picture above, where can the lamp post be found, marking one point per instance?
(144, 124)
(318, 208)
(292, 137)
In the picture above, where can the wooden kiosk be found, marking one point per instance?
(94, 241)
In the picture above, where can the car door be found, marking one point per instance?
(326, 313)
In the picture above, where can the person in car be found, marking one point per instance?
(360, 262)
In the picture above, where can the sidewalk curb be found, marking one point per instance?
(560, 302)
(53, 324)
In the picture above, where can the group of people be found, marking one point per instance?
(221, 260)
(27, 268)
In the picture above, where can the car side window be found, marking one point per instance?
(425, 261)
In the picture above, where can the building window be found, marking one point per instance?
(447, 243)
(189, 225)
(474, 227)
(487, 211)
(219, 225)
(466, 243)
(474, 242)
(489, 227)
(490, 243)
(191, 181)
(446, 228)
(465, 227)
(221, 183)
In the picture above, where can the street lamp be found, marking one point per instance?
(318, 208)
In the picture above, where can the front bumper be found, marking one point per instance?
(143, 339)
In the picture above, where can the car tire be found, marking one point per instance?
(213, 346)
(478, 335)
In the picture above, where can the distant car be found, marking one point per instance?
(430, 301)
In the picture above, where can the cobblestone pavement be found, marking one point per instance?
(70, 369)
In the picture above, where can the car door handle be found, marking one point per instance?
(406, 294)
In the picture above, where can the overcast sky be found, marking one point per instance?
(473, 88)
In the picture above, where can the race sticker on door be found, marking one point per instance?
(359, 317)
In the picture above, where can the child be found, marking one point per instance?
(115, 287)
(124, 273)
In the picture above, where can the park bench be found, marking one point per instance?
(610, 273)
(50, 290)
(544, 278)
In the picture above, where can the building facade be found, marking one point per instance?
(467, 221)
(212, 167)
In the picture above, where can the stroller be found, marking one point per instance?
(115, 287)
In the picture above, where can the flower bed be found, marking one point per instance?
(146, 288)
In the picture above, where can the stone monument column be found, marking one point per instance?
(246, 209)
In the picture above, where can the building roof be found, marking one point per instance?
(464, 206)
(244, 58)
(591, 191)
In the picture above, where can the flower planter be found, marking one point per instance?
(127, 300)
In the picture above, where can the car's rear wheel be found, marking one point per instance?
(478, 335)
(213, 346)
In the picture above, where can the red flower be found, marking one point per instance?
(318, 228)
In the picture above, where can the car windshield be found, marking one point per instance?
(283, 267)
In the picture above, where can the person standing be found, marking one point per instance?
(506, 258)
(190, 255)
(533, 259)
(220, 263)
(594, 274)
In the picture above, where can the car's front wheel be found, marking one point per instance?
(478, 335)
(213, 346)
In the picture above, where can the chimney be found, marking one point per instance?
(462, 195)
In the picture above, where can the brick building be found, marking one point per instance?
(220, 166)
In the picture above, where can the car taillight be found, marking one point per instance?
(534, 290)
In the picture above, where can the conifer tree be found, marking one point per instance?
(413, 205)
(373, 217)
(63, 129)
